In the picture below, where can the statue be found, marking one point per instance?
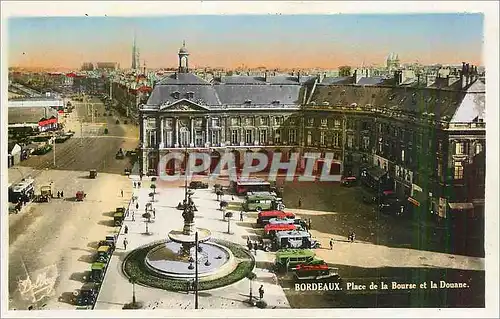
(188, 214)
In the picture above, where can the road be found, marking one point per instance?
(51, 244)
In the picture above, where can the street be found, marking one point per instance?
(51, 245)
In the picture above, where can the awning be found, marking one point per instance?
(376, 172)
(461, 205)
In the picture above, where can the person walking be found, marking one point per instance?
(125, 243)
(133, 216)
(255, 247)
(249, 244)
(58, 194)
(300, 202)
(126, 229)
(121, 192)
(139, 184)
(137, 206)
(134, 184)
(261, 292)
(154, 212)
(62, 194)
(241, 216)
(331, 243)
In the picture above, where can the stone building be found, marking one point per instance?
(422, 138)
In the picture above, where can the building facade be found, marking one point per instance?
(424, 138)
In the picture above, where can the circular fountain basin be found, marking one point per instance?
(214, 261)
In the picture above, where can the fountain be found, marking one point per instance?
(175, 257)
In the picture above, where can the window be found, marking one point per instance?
(216, 122)
(309, 138)
(235, 121)
(365, 126)
(322, 138)
(278, 120)
(336, 139)
(249, 137)
(479, 148)
(263, 137)
(249, 121)
(324, 122)
(459, 171)
(459, 148)
(310, 121)
(198, 122)
(379, 127)
(402, 155)
(366, 142)
(215, 137)
(198, 138)
(350, 141)
(168, 122)
(234, 136)
(292, 136)
(277, 136)
(292, 121)
(336, 122)
(380, 144)
(264, 120)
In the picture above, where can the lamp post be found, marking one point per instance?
(196, 271)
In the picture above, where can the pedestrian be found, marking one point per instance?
(249, 244)
(353, 237)
(309, 224)
(139, 184)
(133, 216)
(127, 212)
(300, 202)
(126, 229)
(58, 194)
(331, 243)
(255, 247)
(134, 184)
(241, 215)
(137, 206)
(154, 212)
(121, 191)
(232, 197)
(62, 194)
(261, 292)
(125, 243)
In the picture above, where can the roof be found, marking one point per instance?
(374, 80)
(202, 94)
(472, 107)
(29, 114)
(258, 94)
(413, 100)
(336, 80)
(182, 79)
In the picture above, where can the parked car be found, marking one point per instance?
(198, 185)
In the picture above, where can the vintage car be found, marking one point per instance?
(87, 295)
(198, 185)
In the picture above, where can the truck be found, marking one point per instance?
(259, 202)
(288, 259)
(45, 193)
(294, 239)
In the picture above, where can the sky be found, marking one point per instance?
(273, 41)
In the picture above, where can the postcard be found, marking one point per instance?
(288, 164)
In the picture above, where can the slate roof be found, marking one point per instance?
(472, 107)
(413, 100)
(164, 93)
(182, 79)
(29, 114)
(374, 80)
(258, 94)
(336, 80)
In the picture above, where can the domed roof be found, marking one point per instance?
(183, 49)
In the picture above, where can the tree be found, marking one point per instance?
(251, 276)
(345, 70)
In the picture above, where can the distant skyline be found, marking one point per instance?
(273, 41)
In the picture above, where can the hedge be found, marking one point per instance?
(134, 264)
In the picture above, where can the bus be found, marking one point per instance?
(294, 239)
(290, 258)
(271, 229)
(319, 271)
(263, 201)
(264, 217)
(24, 190)
(242, 186)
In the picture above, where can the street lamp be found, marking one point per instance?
(132, 280)
(196, 271)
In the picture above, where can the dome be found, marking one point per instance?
(183, 49)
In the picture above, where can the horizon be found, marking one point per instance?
(233, 41)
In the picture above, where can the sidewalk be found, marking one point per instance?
(117, 291)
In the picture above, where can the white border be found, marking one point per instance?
(144, 8)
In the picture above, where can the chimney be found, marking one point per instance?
(418, 79)
(396, 77)
(467, 74)
(320, 77)
(400, 77)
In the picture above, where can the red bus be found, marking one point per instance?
(264, 217)
(271, 229)
(242, 186)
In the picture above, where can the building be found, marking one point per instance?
(423, 138)
(106, 66)
(87, 66)
(36, 117)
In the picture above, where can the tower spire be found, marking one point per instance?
(134, 54)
